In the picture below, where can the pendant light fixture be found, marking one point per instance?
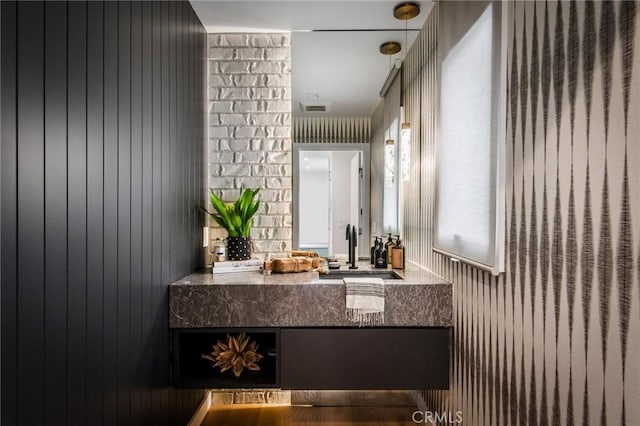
(389, 48)
(405, 11)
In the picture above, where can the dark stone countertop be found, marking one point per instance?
(251, 299)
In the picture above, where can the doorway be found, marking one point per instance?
(330, 192)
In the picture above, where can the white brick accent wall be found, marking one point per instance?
(250, 131)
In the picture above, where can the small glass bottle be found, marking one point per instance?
(219, 250)
(388, 247)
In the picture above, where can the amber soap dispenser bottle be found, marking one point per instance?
(397, 254)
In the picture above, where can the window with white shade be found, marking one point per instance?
(469, 197)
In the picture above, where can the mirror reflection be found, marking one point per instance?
(330, 194)
(330, 185)
(339, 75)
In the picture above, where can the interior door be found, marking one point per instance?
(314, 201)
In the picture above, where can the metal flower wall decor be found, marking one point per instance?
(236, 354)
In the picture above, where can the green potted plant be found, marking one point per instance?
(236, 218)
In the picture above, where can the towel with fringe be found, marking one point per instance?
(365, 301)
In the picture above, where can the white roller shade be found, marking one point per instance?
(470, 138)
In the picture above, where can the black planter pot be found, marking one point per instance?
(238, 248)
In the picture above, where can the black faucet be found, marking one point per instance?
(352, 237)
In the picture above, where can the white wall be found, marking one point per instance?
(314, 205)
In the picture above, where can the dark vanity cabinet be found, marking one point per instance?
(364, 358)
(320, 358)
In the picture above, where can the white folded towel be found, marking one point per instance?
(365, 301)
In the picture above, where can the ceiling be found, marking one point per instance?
(334, 45)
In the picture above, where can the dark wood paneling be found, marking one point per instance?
(167, 231)
(190, 74)
(95, 202)
(124, 210)
(77, 213)
(157, 406)
(174, 235)
(201, 180)
(135, 335)
(95, 213)
(145, 364)
(55, 211)
(181, 145)
(30, 183)
(8, 223)
(110, 206)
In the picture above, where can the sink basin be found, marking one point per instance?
(339, 274)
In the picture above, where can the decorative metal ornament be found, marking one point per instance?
(236, 354)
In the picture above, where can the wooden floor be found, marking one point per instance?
(327, 410)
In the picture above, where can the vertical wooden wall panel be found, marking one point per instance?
(124, 209)
(168, 184)
(201, 64)
(165, 168)
(135, 335)
(95, 209)
(55, 210)
(186, 96)
(192, 111)
(110, 206)
(77, 213)
(196, 74)
(196, 149)
(182, 143)
(179, 143)
(175, 155)
(8, 216)
(101, 157)
(157, 406)
(30, 182)
(145, 366)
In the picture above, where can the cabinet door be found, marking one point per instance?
(365, 358)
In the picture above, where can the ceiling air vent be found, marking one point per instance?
(314, 106)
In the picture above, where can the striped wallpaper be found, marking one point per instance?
(331, 129)
(556, 339)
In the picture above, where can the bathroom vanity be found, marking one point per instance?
(299, 323)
